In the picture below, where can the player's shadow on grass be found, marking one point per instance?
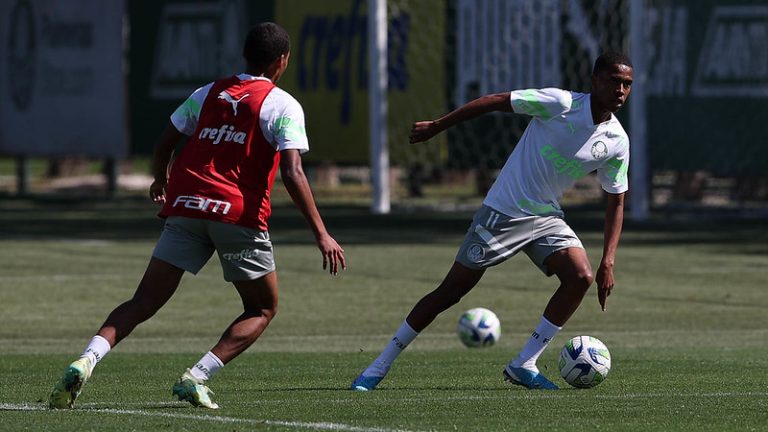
(153, 406)
(170, 405)
(300, 389)
(384, 389)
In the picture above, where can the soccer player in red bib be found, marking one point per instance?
(216, 198)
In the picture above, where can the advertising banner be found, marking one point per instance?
(178, 46)
(708, 86)
(328, 73)
(62, 85)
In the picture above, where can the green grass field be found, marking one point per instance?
(687, 327)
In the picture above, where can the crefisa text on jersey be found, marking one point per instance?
(203, 204)
(227, 133)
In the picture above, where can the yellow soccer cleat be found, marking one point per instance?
(192, 390)
(66, 391)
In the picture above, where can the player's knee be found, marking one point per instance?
(450, 301)
(449, 295)
(583, 280)
(267, 312)
(270, 312)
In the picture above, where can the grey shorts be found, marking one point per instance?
(494, 237)
(187, 243)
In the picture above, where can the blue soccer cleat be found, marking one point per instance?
(366, 383)
(528, 378)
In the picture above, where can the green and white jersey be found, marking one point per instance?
(281, 117)
(560, 145)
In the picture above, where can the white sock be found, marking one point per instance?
(97, 348)
(403, 336)
(206, 367)
(536, 345)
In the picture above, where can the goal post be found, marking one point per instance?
(378, 105)
(639, 196)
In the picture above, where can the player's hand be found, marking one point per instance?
(604, 283)
(333, 254)
(422, 131)
(157, 192)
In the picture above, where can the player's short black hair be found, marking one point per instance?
(265, 43)
(609, 58)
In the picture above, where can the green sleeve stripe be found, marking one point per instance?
(618, 170)
(289, 129)
(192, 105)
(617, 164)
(530, 104)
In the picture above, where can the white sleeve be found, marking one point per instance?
(186, 115)
(613, 173)
(543, 103)
(282, 121)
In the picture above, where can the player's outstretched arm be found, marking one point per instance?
(614, 219)
(424, 130)
(160, 160)
(296, 183)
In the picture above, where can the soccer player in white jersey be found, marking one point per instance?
(239, 130)
(570, 135)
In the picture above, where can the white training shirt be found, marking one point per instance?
(279, 111)
(560, 145)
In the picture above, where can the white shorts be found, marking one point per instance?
(188, 243)
(494, 237)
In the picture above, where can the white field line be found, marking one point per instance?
(574, 392)
(212, 418)
(563, 394)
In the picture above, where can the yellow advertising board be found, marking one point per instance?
(328, 73)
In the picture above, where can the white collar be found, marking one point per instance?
(245, 76)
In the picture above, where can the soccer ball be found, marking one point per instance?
(584, 362)
(479, 327)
